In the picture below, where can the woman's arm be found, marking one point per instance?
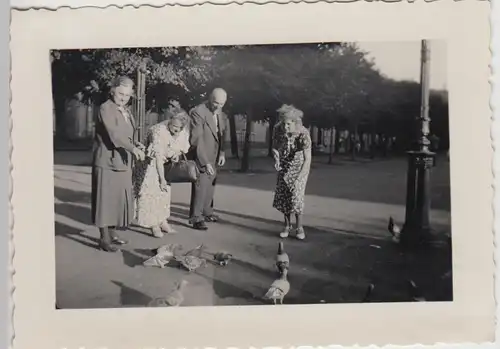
(159, 161)
(307, 160)
(185, 146)
(276, 153)
(307, 153)
(157, 150)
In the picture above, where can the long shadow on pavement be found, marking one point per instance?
(77, 213)
(75, 235)
(131, 297)
(131, 259)
(70, 195)
(277, 225)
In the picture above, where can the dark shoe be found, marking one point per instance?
(212, 218)
(115, 239)
(119, 241)
(200, 226)
(104, 246)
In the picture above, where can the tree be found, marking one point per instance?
(91, 71)
(244, 73)
(327, 81)
(340, 84)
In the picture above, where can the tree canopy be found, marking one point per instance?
(335, 84)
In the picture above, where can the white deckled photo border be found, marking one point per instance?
(469, 318)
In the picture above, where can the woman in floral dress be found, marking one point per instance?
(292, 155)
(167, 141)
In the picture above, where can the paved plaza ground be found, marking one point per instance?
(347, 247)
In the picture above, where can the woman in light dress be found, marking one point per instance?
(292, 155)
(167, 141)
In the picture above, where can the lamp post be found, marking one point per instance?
(416, 229)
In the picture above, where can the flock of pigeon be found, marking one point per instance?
(280, 287)
(192, 260)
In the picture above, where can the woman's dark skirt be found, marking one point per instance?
(112, 200)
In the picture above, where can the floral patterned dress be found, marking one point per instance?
(152, 203)
(290, 189)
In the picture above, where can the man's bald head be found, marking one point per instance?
(218, 99)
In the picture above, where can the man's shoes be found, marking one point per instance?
(211, 219)
(200, 225)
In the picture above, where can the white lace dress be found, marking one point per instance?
(152, 203)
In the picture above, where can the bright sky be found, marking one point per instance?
(401, 60)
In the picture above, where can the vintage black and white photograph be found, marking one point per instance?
(252, 175)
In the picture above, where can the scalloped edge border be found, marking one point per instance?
(495, 131)
(10, 214)
(494, 128)
(192, 3)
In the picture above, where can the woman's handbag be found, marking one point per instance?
(183, 171)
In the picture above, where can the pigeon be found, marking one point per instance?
(163, 256)
(223, 258)
(279, 288)
(282, 259)
(191, 263)
(173, 299)
(394, 229)
(197, 252)
(192, 260)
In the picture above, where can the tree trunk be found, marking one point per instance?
(272, 123)
(233, 137)
(337, 140)
(362, 142)
(384, 146)
(314, 143)
(332, 145)
(245, 161)
(59, 110)
(354, 142)
(372, 143)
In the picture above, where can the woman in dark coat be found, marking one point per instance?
(114, 153)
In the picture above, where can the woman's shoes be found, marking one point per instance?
(115, 239)
(157, 233)
(212, 218)
(301, 235)
(167, 228)
(107, 247)
(118, 241)
(284, 234)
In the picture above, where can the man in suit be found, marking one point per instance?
(208, 130)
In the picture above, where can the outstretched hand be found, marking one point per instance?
(163, 185)
(222, 160)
